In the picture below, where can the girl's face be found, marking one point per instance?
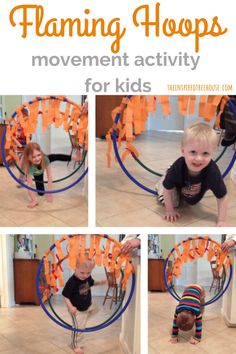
(36, 157)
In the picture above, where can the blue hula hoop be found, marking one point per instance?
(30, 188)
(211, 301)
(230, 165)
(134, 180)
(233, 108)
(91, 329)
(114, 135)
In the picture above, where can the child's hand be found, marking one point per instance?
(193, 341)
(78, 156)
(171, 216)
(49, 198)
(174, 340)
(72, 309)
(32, 204)
(227, 245)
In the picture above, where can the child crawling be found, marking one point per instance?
(190, 176)
(189, 312)
(78, 298)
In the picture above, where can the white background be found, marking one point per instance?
(17, 76)
(216, 64)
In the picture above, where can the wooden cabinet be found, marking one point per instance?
(104, 106)
(156, 275)
(2, 127)
(25, 281)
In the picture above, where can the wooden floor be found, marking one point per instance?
(122, 203)
(216, 336)
(27, 330)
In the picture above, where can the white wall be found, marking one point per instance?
(174, 121)
(157, 121)
(54, 140)
(6, 271)
(198, 271)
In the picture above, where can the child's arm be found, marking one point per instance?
(198, 333)
(171, 214)
(31, 194)
(222, 210)
(175, 331)
(100, 282)
(72, 309)
(49, 197)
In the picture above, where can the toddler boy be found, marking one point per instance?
(193, 174)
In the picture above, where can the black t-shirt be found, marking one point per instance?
(78, 292)
(193, 188)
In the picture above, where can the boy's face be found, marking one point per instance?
(83, 272)
(197, 155)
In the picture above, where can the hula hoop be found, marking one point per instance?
(60, 179)
(105, 324)
(159, 174)
(67, 324)
(175, 295)
(114, 135)
(232, 106)
(172, 291)
(134, 180)
(30, 188)
(230, 165)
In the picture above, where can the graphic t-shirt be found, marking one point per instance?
(193, 188)
(78, 292)
(37, 170)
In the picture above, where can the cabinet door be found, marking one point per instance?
(155, 275)
(25, 281)
(104, 107)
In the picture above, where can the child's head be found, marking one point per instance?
(84, 269)
(185, 320)
(33, 155)
(198, 145)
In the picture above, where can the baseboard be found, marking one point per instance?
(228, 323)
(124, 348)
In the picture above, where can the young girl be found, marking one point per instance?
(35, 162)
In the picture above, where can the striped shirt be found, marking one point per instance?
(190, 301)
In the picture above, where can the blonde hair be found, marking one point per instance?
(185, 320)
(28, 152)
(201, 132)
(88, 263)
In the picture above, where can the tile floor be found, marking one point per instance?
(119, 202)
(217, 337)
(69, 208)
(27, 330)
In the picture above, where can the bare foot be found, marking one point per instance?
(78, 351)
(78, 156)
(193, 341)
(49, 198)
(32, 204)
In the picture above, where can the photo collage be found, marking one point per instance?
(118, 224)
